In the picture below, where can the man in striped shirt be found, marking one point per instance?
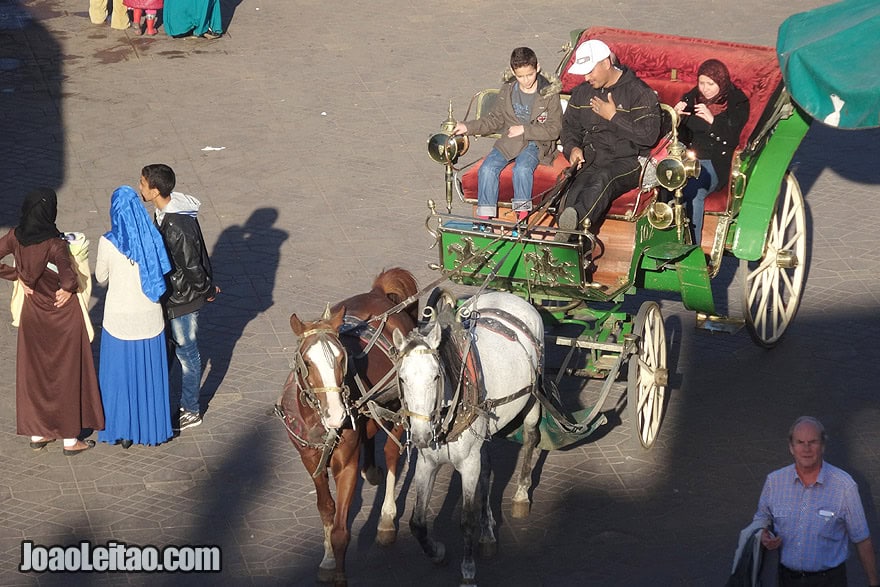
(811, 508)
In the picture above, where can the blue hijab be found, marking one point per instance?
(135, 236)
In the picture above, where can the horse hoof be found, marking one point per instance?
(439, 557)
(386, 537)
(521, 509)
(488, 549)
(326, 575)
(372, 475)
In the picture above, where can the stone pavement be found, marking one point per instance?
(303, 132)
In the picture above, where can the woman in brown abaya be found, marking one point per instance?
(56, 393)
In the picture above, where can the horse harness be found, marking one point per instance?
(462, 366)
(371, 337)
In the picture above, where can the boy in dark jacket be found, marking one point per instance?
(611, 119)
(190, 282)
(528, 115)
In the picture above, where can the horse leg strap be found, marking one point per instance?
(491, 404)
(329, 444)
(379, 415)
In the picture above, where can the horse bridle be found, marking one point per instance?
(434, 419)
(328, 338)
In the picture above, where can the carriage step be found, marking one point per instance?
(588, 344)
(719, 323)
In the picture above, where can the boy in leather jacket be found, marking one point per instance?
(190, 282)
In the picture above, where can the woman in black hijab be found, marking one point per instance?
(56, 390)
(713, 115)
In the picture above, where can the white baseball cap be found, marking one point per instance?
(588, 55)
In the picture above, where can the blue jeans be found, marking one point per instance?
(183, 334)
(523, 178)
(695, 192)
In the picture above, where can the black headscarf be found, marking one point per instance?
(38, 213)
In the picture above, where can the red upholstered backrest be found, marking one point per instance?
(654, 56)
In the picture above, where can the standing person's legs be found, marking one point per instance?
(119, 17)
(136, 14)
(97, 11)
(487, 183)
(523, 178)
(151, 22)
(184, 330)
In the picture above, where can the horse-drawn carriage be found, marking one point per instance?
(368, 363)
(645, 242)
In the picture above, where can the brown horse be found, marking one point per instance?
(344, 375)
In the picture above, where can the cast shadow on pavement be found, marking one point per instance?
(245, 261)
(31, 126)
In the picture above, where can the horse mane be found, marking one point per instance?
(399, 284)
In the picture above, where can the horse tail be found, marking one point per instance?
(399, 284)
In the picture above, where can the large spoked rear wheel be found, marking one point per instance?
(648, 374)
(772, 286)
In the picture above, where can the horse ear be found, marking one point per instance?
(336, 318)
(398, 339)
(326, 315)
(434, 334)
(296, 325)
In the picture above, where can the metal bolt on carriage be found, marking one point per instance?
(645, 243)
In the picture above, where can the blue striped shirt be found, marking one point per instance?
(813, 521)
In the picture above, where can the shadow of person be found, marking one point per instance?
(227, 11)
(245, 260)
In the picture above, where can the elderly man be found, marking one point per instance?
(810, 509)
(611, 119)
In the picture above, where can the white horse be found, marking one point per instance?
(449, 425)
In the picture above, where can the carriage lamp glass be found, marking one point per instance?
(444, 147)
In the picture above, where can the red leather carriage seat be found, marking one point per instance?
(545, 178)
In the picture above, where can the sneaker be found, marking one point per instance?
(567, 221)
(188, 420)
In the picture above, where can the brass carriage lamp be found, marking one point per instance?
(673, 172)
(445, 148)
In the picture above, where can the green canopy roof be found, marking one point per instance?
(830, 60)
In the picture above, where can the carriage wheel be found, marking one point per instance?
(648, 375)
(772, 286)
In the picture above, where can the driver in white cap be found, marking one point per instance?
(611, 119)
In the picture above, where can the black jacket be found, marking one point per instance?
(190, 282)
(718, 141)
(633, 131)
